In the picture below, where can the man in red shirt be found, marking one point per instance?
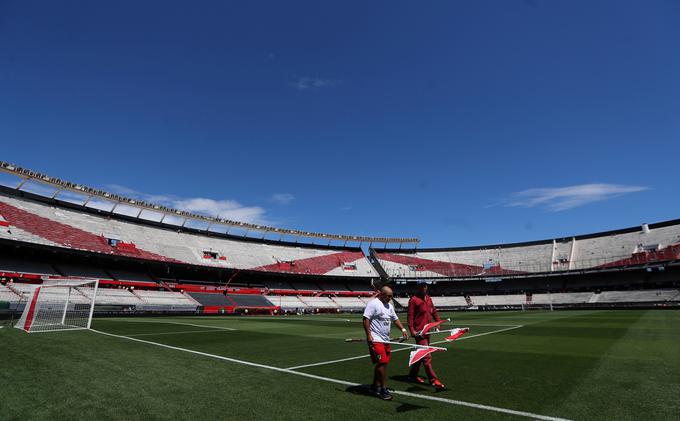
(421, 311)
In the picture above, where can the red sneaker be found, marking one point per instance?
(438, 385)
(417, 379)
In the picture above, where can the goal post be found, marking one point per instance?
(59, 305)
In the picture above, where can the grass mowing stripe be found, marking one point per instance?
(343, 382)
(176, 333)
(402, 349)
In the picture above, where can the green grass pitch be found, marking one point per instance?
(578, 365)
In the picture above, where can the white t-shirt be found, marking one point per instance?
(381, 316)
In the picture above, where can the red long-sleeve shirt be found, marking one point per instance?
(420, 312)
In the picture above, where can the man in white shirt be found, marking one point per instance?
(378, 317)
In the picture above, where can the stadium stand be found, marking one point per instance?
(127, 275)
(562, 298)
(19, 265)
(349, 303)
(231, 300)
(450, 301)
(111, 296)
(305, 285)
(165, 297)
(288, 302)
(81, 271)
(319, 302)
(439, 301)
(649, 243)
(636, 296)
(331, 285)
(208, 299)
(150, 265)
(6, 294)
(250, 300)
(365, 287)
(498, 300)
(83, 230)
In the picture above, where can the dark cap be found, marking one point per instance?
(421, 282)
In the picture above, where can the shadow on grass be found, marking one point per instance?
(361, 389)
(406, 407)
(415, 387)
(364, 389)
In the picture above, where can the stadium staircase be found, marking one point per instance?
(14, 290)
(142, 299)
(373, 260)
(594, 298)
(77, 289)
(165, 286)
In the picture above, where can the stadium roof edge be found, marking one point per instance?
(61, 185)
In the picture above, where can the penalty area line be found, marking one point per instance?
(401, 349)
(482, 334)
(342, 382)
(173, 323)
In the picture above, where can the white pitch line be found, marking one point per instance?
(343, 382)
(401, 349)
(174, 323)
(177, 333)
(205, 326)
(481, 334)
(328, 362)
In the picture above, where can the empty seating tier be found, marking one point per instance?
(37, 222)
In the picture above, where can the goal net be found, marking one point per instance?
(59, 305)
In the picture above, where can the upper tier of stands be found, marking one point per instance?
(39, 223)
(647, 244)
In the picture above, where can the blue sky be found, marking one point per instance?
(461, 123)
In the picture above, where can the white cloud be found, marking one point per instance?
(305, 83)
(562, 198)
(227, 209)
(282, 198)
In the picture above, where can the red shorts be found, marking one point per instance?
(380, 352)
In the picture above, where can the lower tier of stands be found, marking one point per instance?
(151, 299)
(605, 297)
(231, 300)
(18, 293)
